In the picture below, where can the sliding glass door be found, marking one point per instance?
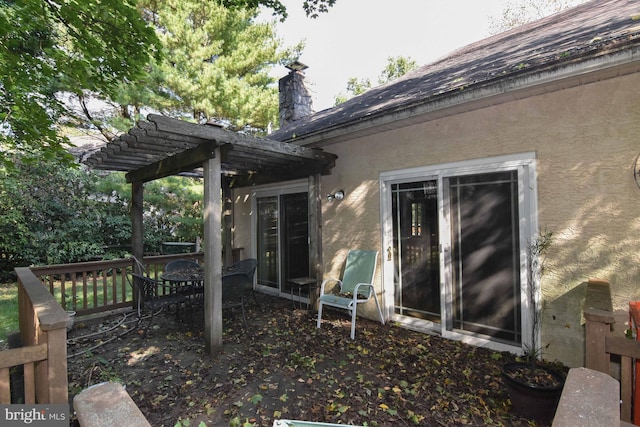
(485, 249)
(415, 248)
(282, 239)
(268, 245)
(455, 238)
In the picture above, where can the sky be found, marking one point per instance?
(355, 38)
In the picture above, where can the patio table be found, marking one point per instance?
(302, 282)
(188, 282)
(190, 279)
(183, 276)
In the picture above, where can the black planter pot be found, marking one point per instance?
(532, 401)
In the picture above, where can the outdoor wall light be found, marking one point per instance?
(338, 195)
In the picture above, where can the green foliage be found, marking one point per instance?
(104, 49)
(396, 67)
(215, 67)
(50, 47)
(52, 213)
(172, 211)
(313, 8)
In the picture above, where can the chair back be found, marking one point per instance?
(182, 264)
(360, 268)
(246, 267)
(232, 289)
(146, 287)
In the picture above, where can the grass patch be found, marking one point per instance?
(8, 310)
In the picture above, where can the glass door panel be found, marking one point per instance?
(415, 249)
(267, 241)
(485, 254)
(296, 237)
(282, 239)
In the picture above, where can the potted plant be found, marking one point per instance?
(534, 387)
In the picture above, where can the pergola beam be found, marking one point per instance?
(182, 162)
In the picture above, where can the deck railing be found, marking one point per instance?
(600, 345)
(43, 355)
(91, 287)
(44, 313)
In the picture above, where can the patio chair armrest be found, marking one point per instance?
(357, 288)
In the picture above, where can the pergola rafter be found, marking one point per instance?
(249, 159)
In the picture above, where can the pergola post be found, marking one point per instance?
(212, 254)
(137, 228)
(227, 218)
(316, 268)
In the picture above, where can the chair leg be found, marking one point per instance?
(319, 314)
(244, 319)
(353, 322)
(148, 325)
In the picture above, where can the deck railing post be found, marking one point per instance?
(598, 314)
(43, 321)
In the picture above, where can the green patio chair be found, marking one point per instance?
(356, 286)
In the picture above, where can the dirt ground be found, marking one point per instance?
(280, 366)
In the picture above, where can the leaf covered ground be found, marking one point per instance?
(282, 366)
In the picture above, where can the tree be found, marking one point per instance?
(86, 47)
(396, 67)
(50, 215)
(47, 47)
(215, 66)
(311, 7)
(519, 12)
(55, 213)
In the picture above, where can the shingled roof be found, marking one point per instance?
(593, 31)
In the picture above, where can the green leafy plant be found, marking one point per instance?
(53, 213)
(537, 262)
(532, 372)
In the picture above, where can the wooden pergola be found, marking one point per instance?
(162, 146)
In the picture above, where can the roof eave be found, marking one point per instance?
(481, 95)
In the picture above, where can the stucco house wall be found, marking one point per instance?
(585, 142)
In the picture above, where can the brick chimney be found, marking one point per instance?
(295, 100)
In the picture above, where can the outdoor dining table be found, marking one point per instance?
(190, 279)
(180, 277)
(188, 282)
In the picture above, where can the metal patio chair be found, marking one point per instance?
(233, 292)
(246, 267)
(356, 286)
(153, 295)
